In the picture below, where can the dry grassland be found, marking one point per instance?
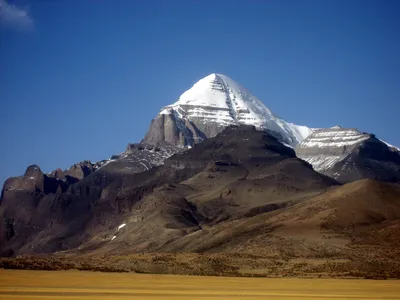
(79, 285)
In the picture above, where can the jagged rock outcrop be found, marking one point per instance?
(135, 159)
(347, 154)
(170, 128)
(33, 181)
(75, 173)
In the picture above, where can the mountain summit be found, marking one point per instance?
(210, 105)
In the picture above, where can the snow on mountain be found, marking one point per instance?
(141, 157)
(326, 147)
(347, 154)
(391, 146)
(217, 101)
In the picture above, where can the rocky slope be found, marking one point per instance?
(347, 155)
(226, 213)
(140, 157)
(212, 104)
(238, 204)
(202, 186)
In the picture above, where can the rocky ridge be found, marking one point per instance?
(347, 155)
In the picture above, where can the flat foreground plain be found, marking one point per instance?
(27, 285)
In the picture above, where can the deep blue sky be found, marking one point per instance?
(80, 79)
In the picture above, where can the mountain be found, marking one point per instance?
(225, 185)
(238, 204)
(203, 185)
(347, 155)
(217, 101)
(213, 103)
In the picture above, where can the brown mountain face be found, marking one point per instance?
(240, 173)
(345, 216)
(241, 200)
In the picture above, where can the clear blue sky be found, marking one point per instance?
(81, 79)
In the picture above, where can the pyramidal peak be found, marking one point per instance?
(221, 99)
(213, 103)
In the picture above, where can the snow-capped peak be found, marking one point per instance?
(220, 91)
(234, 103)
(219, 100)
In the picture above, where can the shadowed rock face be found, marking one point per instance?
(171, 129)
(241, 172)
(33, 181)
(349, 155)
(75, 173)
(36, 202)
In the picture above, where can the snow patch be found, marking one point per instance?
(323, 162)
(106, 163)
(390, 146)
